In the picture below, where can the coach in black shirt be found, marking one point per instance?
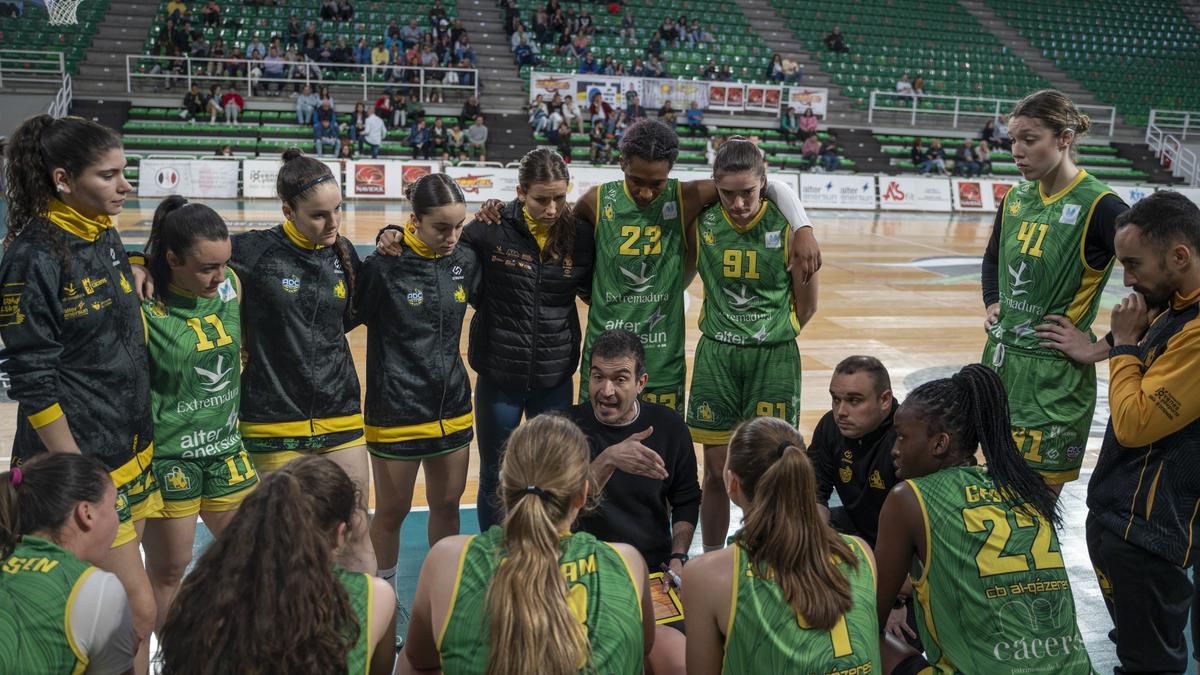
(643, 460)
(851, 448)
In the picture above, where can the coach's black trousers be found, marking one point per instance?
(1149, 599)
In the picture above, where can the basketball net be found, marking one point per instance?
(62, 12)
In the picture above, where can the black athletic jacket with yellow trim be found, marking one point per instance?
(1146, 484)
(299, 378)
(74, 342)
(413, 306)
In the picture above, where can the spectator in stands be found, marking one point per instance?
(347, 152)
(628, 30)
(601, 144)
(379, 59)
(599, 111)
(433, 78)
(965, 163)
(917, 152)
(589, 65)
(437, 13)
(362, 52)
(578, 46)
(437, 138)
(310, 33)
(272, 71)
(541, 27)
(343, 53)
(983, 155)
(775, 68)
(633, 108)
(327, 136)
(291, 33)
(210, 14)
(233, 104)
(525, 54)
(655, 45)
(830, 152)
(808, 124)
(518, 35)
(177, 10)
(539, 117)
(410, 35)
(194, 103)
(255, 45)
(328, 10)
(726, 74)
(563, 139)
(325, 56)
(655, 68)
(608, 66)
(708, 36)
(667, 113)
(587, 25)
(463, 50)
(988, 132)
(669, 32)
(372, 134)
(935, 158)
(357, 123)
(200, 47)
(470, 110)
(1003, 140)
(216, 52)
(810, 151)
(571, 114)
(792, 72)
(918, 86)
(711, 71)
(224, 151)
(326, 97)
(512, 17)
(789, 125)
(695, 120)
(620, 124)
(903, 86)
(836, 42)
(345, 11)
(456, 141)
(554, 107)
(477, 137)
(214, 103)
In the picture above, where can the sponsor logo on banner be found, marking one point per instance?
(736, 96)
(1132, 194)
(369, 179)
(970, 195)
(804, 98)
(472, 184)
(549, 84)
(717, 93)
(836, 191)
(167, 178)
(191, 178)
(258, 178)
(903, 193)
(999, 191)
(411, 173)
(893, 192)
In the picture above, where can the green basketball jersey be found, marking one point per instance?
(195, 380)
(38, 582)
(766, 635)
(637, 281)
(994, 595)
(358, 588)
(602, 595)
(1041, 264)
(747, 288)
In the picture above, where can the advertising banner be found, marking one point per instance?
(909, 193)
(979, 194)
(481, 183)
(827, 191)
(258, 176)
(375, 179)
(192, 178)
(763, 98)
(803, 98)
(1132, 193)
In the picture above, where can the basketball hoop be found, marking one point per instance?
(62, 12)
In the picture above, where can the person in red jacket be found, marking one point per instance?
(233, 104)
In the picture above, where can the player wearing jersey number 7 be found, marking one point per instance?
(747, 364)
(991, 591)
(195, 379)
(1044, 271)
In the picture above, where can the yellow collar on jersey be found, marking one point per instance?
(743, 229)
(1180, 301)
(411, 240)
(1047, 200)
(294, 235)
(540, 232)
(76, 223)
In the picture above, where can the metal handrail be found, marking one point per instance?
(18, 74)
(1171, 152)
(60, 106)
(1181, 121)
(136, 63)
(1102, 115)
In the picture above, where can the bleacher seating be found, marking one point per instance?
(1100, 160)
(937, 39)
(32, 31)
(735, 43)
(1133, 54)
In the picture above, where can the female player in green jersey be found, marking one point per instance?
(418, 404)
(271, 599)
(195, 346)
(991, 590)
(74, 342)
(1044, 272)
(528, 596)
(61, 614)
(747, 363)
(790, 595)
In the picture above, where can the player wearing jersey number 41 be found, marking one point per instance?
(747, 363)
(991, 590)
(194, 329)
(1044, 271)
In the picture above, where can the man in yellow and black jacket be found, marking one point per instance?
(1144, 495)
(75, 350)
(418, 401)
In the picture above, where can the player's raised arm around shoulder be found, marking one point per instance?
(585, 208)
(697, 195)
(804, 252)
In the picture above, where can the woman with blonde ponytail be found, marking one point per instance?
(790, 594)
(528, 596)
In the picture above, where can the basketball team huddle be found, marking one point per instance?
(208, 376)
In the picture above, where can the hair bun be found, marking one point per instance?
(292, 153)
(1083, 124)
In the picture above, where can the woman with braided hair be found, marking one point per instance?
(991, 590)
